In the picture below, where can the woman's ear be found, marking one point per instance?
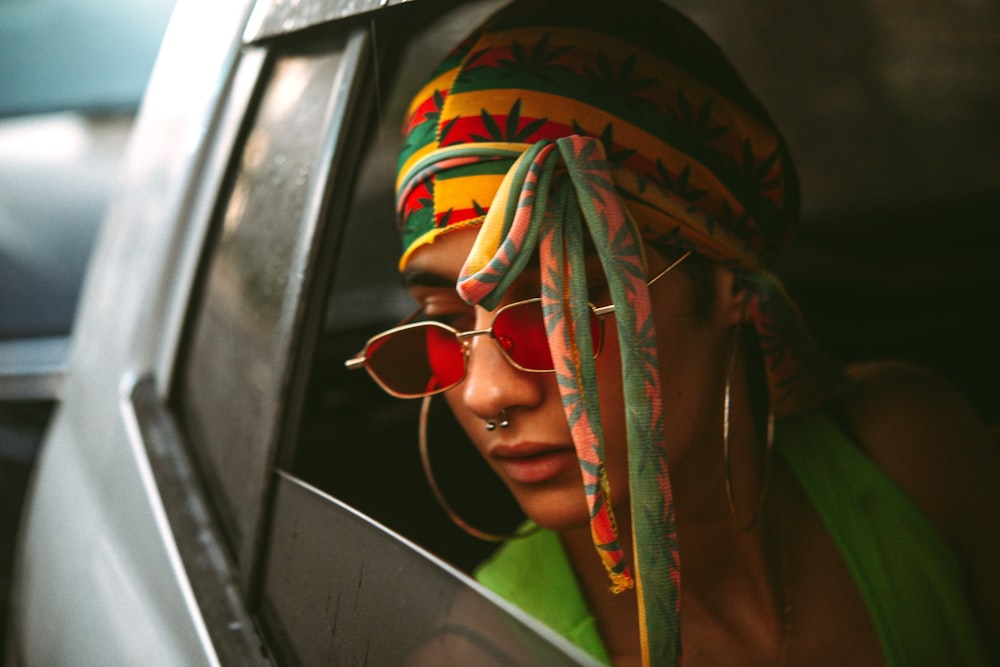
(731, 296)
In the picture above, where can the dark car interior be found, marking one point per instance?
(891, 114)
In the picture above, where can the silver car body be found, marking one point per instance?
(121, 567)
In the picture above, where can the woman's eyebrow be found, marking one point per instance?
(424, 278)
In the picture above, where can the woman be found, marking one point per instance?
(685, 449)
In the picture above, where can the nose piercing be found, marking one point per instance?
(491, 424)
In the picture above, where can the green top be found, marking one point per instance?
(534, 573)
(910, 580)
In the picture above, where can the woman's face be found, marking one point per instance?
(534, 455)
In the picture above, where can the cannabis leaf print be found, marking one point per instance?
(623, 82)
(512, 131)
(539, 61)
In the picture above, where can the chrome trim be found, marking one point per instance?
(207, 566)
(346, 93)
(33, 368)
(271, 18)
(195, 217)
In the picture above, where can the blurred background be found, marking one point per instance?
(72, 74)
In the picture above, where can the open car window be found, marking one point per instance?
(297, 457)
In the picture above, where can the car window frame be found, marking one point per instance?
(230, 594)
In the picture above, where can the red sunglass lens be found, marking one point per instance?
(520, 331)
(418, 360)
(447, 361)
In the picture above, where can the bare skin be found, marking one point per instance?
(778, 593)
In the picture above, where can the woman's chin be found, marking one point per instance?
(555, 510)
(559, 504)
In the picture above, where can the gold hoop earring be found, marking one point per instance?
(768, 439)
(425, 459)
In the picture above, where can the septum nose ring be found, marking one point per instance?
(491, 424)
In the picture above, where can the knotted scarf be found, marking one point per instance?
(558, 123)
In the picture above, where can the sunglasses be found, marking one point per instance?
(418, 359)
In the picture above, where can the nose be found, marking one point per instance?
(491, 383)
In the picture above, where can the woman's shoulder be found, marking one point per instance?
(919, 428)
(921, 431)
(913, 405)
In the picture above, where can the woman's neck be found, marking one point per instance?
(731, 588)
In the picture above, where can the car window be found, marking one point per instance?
(244, 338)
(299, 273)
(356, 442)
(297, 456)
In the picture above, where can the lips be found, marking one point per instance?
(533, 463)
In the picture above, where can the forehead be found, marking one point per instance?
(439, 263)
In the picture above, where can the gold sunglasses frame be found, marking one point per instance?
(360, 360)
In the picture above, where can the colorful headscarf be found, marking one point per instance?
(562, 120)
